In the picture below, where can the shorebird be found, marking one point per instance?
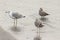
(15, 16)
(42, 13)
(39, 25)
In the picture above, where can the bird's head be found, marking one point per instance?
(7, 11)
(41, 9)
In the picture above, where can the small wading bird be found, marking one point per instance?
(42, 13)
(39, 25)
(15, 16)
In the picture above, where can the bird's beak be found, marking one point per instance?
(5, 11)
(24, 16)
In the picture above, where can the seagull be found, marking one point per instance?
(15, 16)
(42, 13)
(39, 25)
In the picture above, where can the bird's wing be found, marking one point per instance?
(45, 13)
(17, 15)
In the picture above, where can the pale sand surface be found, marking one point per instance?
(51, 31)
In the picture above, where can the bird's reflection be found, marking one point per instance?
(15, 29)
(44, 19)
(37, 38)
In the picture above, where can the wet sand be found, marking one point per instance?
(4, 35)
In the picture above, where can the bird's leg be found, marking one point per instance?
(39, 32)
(14, 22)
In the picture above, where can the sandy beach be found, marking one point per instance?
(30, 8)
